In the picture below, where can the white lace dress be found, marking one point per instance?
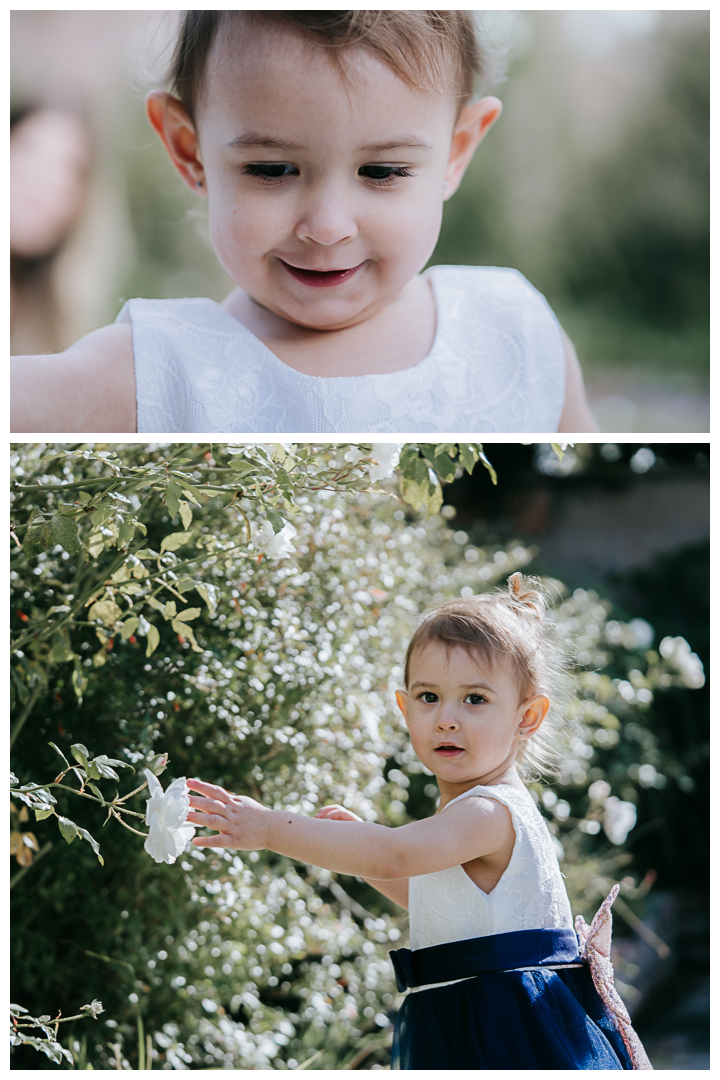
(449, 906)
(497, 364)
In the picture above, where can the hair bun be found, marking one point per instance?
(530, 600)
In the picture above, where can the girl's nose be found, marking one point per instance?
(326, 219)
(447, 718)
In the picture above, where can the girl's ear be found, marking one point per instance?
(533, 712)
(177, 131)
(401, 698)
(471, 128)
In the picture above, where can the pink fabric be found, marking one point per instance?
(595, 941)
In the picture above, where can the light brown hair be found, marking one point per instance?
(426, 49)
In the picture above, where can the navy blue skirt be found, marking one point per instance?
(503, 1019)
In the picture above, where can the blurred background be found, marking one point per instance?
(595, 184)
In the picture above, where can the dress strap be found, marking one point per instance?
(456, 960)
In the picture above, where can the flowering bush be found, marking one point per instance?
(281, 689)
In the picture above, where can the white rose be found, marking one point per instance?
(276, 545)
(619, 819)
(387, 455)
(166, 816)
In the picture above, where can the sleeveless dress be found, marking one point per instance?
(495, 980)
(497, 364)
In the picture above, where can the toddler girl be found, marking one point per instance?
(497, 978)
(326, 143)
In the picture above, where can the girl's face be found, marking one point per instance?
(325, 193)
(465, 718)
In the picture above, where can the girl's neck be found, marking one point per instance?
(506, 773)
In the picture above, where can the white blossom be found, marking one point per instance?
(387, 456)
(619, 819)
(166, 816)
(276, 545)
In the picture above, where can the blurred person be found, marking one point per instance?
(327, 144)
(50, 157)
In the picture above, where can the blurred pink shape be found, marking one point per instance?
(49, 160)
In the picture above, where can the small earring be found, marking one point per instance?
(198, 183)
(446, 183)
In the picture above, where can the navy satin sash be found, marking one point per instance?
(476, 956)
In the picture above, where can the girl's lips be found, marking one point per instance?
(321, 279)
(449, 751)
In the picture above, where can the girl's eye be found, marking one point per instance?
(428, 697)
(475, 699)
(270, 172)
(383, 174)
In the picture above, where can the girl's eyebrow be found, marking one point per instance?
(466, 686)
(268, 142)
(254, 138)
(407, 142)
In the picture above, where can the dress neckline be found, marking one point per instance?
(273, 358)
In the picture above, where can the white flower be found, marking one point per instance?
(276, 545)
(387, 455)
(354, 454)
(166, 815)
(619, 819)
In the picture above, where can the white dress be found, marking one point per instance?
(530, 895)
(497, 364)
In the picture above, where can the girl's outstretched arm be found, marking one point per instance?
(469, 829)
(397, 891)
(576, 415)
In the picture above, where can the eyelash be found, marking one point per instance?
(394, 172)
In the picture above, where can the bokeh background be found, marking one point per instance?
(595, 184)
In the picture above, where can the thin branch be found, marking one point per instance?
(29, 706)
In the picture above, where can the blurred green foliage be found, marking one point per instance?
(247, 960)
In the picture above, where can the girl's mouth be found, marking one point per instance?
(321, 279)
(449, 751)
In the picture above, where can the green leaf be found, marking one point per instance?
(559, 452)
(209, 594)
(64, 531)
(129, 627)
(468, 456)
(123, 574)
(172, 497)
(101, 515)
(175, 540)
(188, 614)
(486, 463)
(41, 813)
(436, 500)
(59, 751)
(186, 514)
(60, 652)
(276, 521)
(91, 841)
(190, 494)
(85, 497)
(153, 640)
(96, 791)
(38, 538)
(126, 531)
(106, 610)
(68, 829)
(80, 753)
(186, 631)
(79, 683)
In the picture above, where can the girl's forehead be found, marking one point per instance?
(443, 659)
(249, 59)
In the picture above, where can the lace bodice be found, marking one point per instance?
(497, 364)
(449, 906)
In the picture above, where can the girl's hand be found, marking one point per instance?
(337, 813)
(239, 820)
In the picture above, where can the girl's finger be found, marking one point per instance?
(208, 821)
(213, 790)
(210, 805)
(221, 840)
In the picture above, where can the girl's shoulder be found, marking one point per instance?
(492, 284)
